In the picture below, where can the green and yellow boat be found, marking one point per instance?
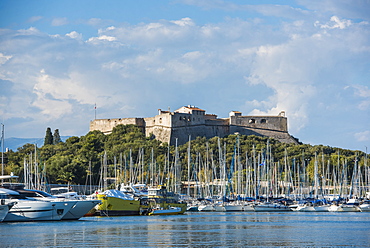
(117, 203)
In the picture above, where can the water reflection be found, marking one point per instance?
(195, 230)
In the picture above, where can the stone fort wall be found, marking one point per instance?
(191, 121)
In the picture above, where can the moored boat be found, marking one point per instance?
(159, 196)
(233, 207)
(165, 211)
(206, 208)
(117, 203)
(352, 205)
(365, 206)
(33, 209)
(271, 207)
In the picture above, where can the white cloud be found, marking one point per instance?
(258, 67)
(102, 38)
(74, 35)
(362, 136)
(184, 22)
(335, 22)
(59, 21)
(364, 93)
(4, 58)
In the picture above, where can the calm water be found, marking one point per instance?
(196, 230)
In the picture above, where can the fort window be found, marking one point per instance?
(160, 120)
(251, 121)
(263, 121)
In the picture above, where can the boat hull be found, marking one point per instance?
(233, 208)
(219, 208)
(271, 208)
(171, 211)
(206, 208)
(81, 208)
(365, 207)
(114, 206)
(27, 210)
(4, 209)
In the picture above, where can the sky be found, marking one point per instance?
(309, 58)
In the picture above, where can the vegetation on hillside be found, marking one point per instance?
(69, 161)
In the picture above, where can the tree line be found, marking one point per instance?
(74, 160)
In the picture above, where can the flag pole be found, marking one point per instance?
(95, 112)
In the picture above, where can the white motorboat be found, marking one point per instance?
(82, 206)
(4, 209)
(365, 206)
(271, 207)
(322, 208)
(165, 211)
(206, 208)
(32, 209)
(352, 205)
(78, 210)
(233, 207)
(307, 207)
(310, 207)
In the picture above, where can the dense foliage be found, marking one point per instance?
(76, 158)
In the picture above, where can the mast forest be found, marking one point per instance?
(232, 166)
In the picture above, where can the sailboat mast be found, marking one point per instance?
(188, 192)
(2, 151)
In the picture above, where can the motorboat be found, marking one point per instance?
(233, 207)
(365, 206)
(206, 208)
(165, 211)
(271, 207)
(307, 207)
(116, 203)
(192, 208)
(79, 209)
(159, 195)
(82, 207)
(33, 209)
(352, 205)
(4, 207)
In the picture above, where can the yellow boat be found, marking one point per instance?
(116, 203)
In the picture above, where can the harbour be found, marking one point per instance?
(196, 229)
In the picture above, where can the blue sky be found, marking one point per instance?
(309, 58)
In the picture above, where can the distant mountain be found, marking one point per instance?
(14, 143)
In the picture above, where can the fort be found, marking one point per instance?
(177, 126)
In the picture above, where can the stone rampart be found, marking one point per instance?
(191, 121)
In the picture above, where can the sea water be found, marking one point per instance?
(213, 229)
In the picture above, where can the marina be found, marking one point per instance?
(196, 229)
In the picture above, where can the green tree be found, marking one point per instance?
(48, 137)
(56, 137)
